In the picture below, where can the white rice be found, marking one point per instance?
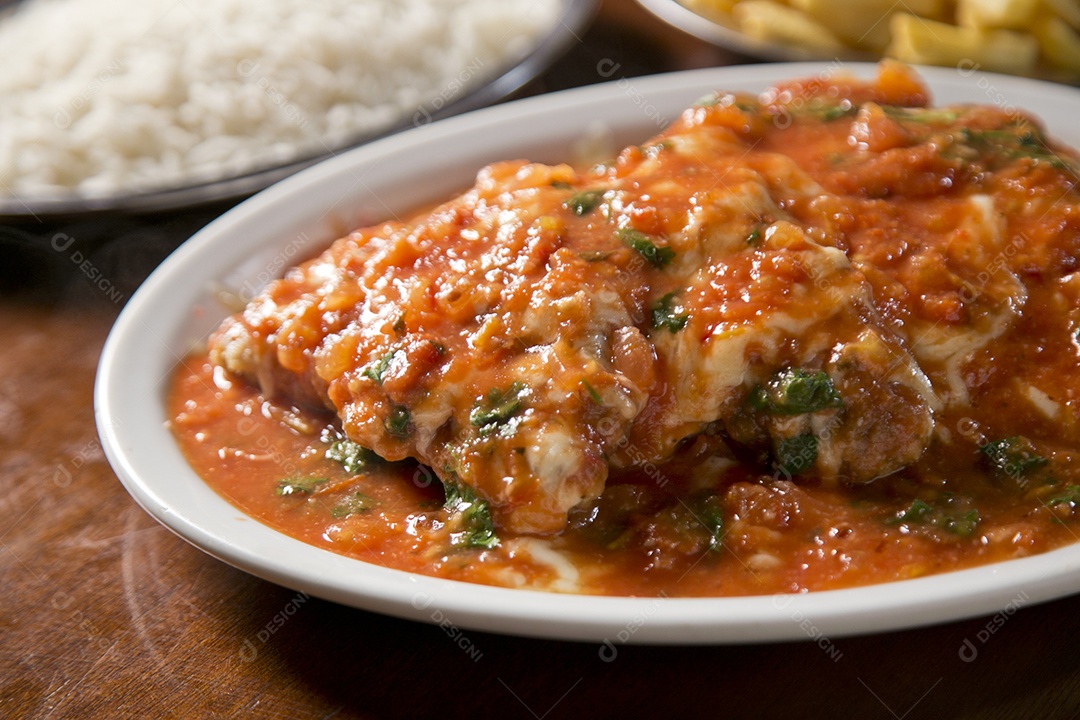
(100, 97)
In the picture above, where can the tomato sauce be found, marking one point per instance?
(641, 538)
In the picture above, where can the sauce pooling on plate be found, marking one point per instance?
(819, 338)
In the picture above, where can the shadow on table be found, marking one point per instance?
(366, 665)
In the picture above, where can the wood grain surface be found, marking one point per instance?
(105, 614)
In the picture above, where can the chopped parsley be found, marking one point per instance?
(964, 524)
(470, 519)
(1022, 141)
(840, 110)
(753, 239)
(795, 455)
(584, 202)
(709, 512)
(353, 457)
(353, 504)
(298, 485)
(377, 369)
(821, 109)
(398, 423)
(916, 513)
(658, 256)
(1013, 456)
(497, 407)
(1069, 495)
(592, 392)
(796, 392)
(665, 317)
(921, 115)
(947, 514)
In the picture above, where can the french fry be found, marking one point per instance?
(1067, 10)
(773, 22)
(1011, 14)
(1023, 37)
(920, 41)
(1060, 44)
(865, 23)
(711, 7)
(860, 23)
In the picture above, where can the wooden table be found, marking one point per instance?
(107, 614)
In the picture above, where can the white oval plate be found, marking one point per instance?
(176, 308)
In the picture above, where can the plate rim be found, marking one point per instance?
(762, 618)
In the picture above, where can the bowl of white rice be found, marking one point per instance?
(154, 104)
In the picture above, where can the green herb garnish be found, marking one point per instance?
(584, 202)
(398, 423)
(353, 457)
(377, 369)
(709, 512)
(1024, 142)
(657, 256)
(921, 115)
(963, 525)
(497, 407)
(298, 485)
(916, 513)
(1013, 456)
(796, 455)
(592, 392)
(665, 317)
(943, 514)
(1069, 495)
(795, 392)
(354, 504)
(470, 518)
(840, 110)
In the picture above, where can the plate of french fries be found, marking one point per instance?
(1035, 38)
